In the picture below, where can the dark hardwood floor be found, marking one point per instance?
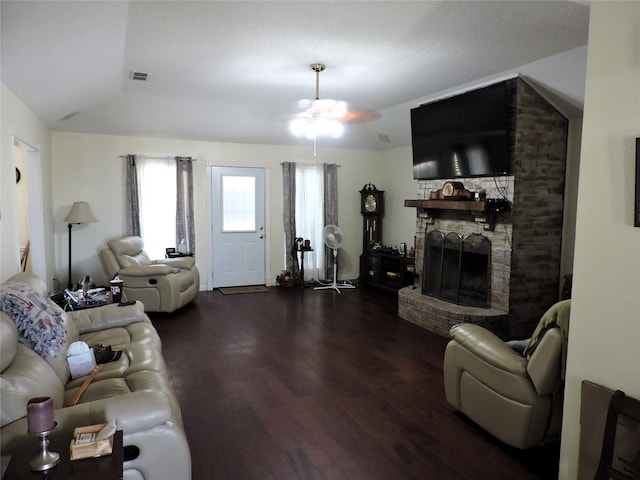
(304, 384)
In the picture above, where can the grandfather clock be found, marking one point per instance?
(372, 209)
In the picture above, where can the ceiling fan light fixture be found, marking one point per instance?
(298, 127)
(320, 117)
(313, 128)
(328, 127)
(327, 108)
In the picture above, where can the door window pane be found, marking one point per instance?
(238, 204)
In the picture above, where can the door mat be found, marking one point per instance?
(238, 290)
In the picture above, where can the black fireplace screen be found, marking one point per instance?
(457, 269)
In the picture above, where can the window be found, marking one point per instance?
(310, 216)
(157, 202)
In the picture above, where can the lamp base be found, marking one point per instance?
(70, 284)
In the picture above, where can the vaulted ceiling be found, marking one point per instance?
(234, 71)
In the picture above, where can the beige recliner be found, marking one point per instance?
(516, 397)
(161, 285)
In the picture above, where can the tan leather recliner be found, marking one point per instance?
(516, 397)
(161, 285)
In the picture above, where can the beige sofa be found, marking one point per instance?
(161, 285)
(517, 397)
(135, 390)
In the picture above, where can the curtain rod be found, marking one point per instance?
(159, 157)
(314, 164)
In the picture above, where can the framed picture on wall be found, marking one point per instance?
(636, 205)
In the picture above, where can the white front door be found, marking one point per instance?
(238, 199)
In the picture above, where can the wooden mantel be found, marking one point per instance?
(464, 205)
(483, 211)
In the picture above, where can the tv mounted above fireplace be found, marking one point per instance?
(462, 136)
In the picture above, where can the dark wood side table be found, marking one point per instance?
(101, 468)
(68, 305)
(302, 251)
(178, 255)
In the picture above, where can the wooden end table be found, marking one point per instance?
(109, 467)
(302, 251)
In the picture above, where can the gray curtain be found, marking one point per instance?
(132, 206)
(185, 228)
(289, 217)
(330, 172)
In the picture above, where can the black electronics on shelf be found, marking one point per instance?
(387, 271)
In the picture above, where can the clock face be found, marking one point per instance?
(447, 189)
(370, 203)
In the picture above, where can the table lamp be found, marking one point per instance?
(80, 213)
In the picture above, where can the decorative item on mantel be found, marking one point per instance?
(452, 191)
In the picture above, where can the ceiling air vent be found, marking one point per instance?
(138, 76)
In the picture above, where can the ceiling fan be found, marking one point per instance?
(325, 117)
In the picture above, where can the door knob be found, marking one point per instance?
(261, 236)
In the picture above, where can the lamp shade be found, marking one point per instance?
(80, 213)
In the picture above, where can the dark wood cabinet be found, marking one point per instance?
(386, 271)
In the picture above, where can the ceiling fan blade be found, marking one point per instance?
(360, 116)
(351, 115)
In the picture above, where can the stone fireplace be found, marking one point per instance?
(524, 238)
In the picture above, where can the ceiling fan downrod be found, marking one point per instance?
(317, 67)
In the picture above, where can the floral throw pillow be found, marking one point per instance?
(37, 322)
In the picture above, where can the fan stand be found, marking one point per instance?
(335, 285)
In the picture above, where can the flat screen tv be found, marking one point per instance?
(461, 136)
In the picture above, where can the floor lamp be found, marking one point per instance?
(80, 213)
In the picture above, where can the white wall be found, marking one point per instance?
(17, 119)
(605, 311)
(570, 198)
(397, 180)
(89, 168)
